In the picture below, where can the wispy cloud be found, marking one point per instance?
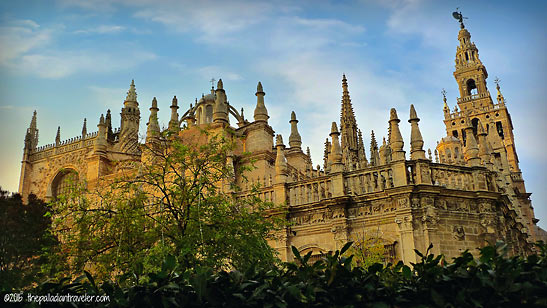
(27, 48)
(102, 29)
(21, 36)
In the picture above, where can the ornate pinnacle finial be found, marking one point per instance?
(279, 140)
(58, 137)
(259, 87)
(132, 93)
(413, 114)
(497, 82)
(293, 116)
(212, 81)
(334, 129)
(393, 114)
(154, 103)
(443, 92)
(220, 85)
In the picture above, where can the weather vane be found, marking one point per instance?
(497, 81)
(443, 92)
(458, 16)
(212, 81)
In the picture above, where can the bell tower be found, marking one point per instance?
(476, 102)
(470, 73)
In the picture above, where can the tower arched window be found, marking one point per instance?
(471, 87)
(64, 182)
(208, 113)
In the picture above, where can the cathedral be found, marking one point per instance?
(465, 193)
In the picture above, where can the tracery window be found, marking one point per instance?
(64, 182)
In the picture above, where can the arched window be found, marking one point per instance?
(475, 123)
(208, 113)
(199, 119)
(471, 87)
(64, 182)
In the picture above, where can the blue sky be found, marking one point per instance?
(71, 59)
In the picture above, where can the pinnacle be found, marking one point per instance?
(334, 128)
(413, 114)
(393, 114)
(293, 116)
(132, 93)
(259, 88)
(220, 85)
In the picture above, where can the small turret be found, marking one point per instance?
(361, 151)
(174, 121)
(484, 148)
(58, 137)
(308, 153)
(261, 113)
(326, 155)
(281, 169)
(396, 142)
(416, 140)
(220, 110)
(108, 122)
(471, 150)
(335, 158)
(153, 127)
(295, 141)
(100, 141)
(130, 118)
(374, 154)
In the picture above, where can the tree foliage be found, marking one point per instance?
(178, 201)
(491, 280)
(24, 237)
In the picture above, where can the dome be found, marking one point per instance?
(207, 98)
(448, 139)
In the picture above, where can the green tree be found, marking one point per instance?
(24, 238)
(180, 201)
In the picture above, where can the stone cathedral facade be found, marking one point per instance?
(467, 192)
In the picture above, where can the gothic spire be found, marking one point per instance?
(84, 128)
(31, 137)
(295, 141)
(348, 124)
(58, 137)
(374, 154)
(308, 153)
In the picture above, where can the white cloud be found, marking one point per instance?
(59, 64)
(102, 29)
(20, 37)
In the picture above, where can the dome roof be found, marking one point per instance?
(448, 139)
(207, 98)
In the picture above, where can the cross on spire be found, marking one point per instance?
(212, 81)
